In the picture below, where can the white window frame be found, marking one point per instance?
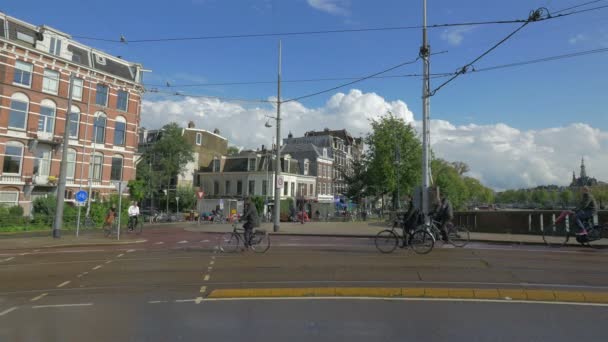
(50, 82)
(92, 166)
(122, 165)
(75, 110)
(71, 170)
(55, 46)
(46, 103)
(105, 127)
(216, 165)
(199, 139)
(19, 97)
(4, 203)
(25, 37)
(14, 144)
(306, 167)
(77, 88)
(251, 166)
(126, 100)
(97, 93)
(24, 67)
(42, 161)
(120, 119)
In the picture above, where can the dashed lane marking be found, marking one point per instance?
(97, 267)
(38, 297)
(183, 241)
(9, 310)
(64, 283)
(119, 255)
(204, 240)
(203, 289)
(109, 261)
(209, 269)
(184, 300)
(159, 243)
(211, 262)
(130, 251)
(206, 277)
(157, 301)
(198, 300)
(60, 305)
(8, 259)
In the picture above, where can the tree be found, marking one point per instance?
(566, 197)
(137, 189)
(187, 198)
(233, 150)
(165, 159)
(393, 159)
(540, 197)
(477, 192)
(450, 183)
(461, 167)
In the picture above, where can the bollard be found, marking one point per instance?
(542, 226)
(553, 221)
(595, 220)
(529, 222)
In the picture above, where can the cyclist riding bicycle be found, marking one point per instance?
(444, 214)
(251, 220)
(585, 211)
(133, 213)
(110, 217)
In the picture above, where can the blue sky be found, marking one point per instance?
(536, 97)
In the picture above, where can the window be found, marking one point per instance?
(216, 165)
(123, 100)
(25, 37)
(55, 48)
(216, 188)
(120, 127)
(285, 188)
(99, 128)
(95, 169)
(77, 89)
(325, 152)
(199, 138)
(42, 163)
(18, 112)
(323, 188)
(13, 156)
(46, 120)
(23, 74)
(71, 164)
(251, 165)
(306, 167)
(50, 82)
(264, 187)
(116, 171)
(74, 117)
(252, 187)
(312, 190)
(239, 187)
(9, 198)
(101, 96)
(293, 187)
(228, 190)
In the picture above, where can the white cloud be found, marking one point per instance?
(336, 7)
(500, 156)
(455, 36)
(577, 39)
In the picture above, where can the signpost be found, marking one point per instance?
(280, 182)
(121, 186)
(81, 197)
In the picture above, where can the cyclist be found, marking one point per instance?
(586, 210)
(251, 220)
(133, 213)
(444, 213)
(110, 217)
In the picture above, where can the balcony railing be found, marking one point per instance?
(11, 179)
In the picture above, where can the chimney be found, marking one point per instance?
(191, 124)
(216, 131)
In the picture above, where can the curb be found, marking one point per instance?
(587, 297)
(73, 245)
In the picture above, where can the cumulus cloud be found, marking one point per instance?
(454, 36)
(501, 156)
(577, 39)
(336, 7)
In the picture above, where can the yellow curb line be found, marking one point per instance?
(417, 292)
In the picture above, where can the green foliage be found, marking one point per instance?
(566, 197)
(233, 150)
(138, 189)
(15, 211)
(187, 198)
(259, 203)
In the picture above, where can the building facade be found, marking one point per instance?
(35, 67)
(317, 162)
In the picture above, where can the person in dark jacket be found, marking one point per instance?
(251, 220)
(586, 210)
(444, 214)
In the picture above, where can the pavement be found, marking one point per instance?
(176, 285)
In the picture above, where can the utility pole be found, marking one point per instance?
(426, 97)
(277, 174)
(63, 168)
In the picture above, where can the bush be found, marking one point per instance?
(16, 211)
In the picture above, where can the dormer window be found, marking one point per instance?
(55, 48)
(251, 166)
(216, 165)
(199, 138)
(100, 60)
(325, 152)
(306, 166)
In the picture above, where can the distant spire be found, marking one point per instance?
(573, 177)
(583, 172)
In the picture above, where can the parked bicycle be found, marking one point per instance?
(559, 233)
(231, 242)
(419, 239)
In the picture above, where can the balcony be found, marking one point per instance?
(39, 180)
(11, 179)
(45, 138)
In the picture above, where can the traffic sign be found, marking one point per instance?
(81, 196)
(121, 186)
(221, 204)
(200, 194)
(280, 182)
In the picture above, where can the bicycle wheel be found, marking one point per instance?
(139, 227)
(556, 235)
(107, 230)
(229, 242)
(386, 241)
(421, 241)
(260, 242)
(458, 236)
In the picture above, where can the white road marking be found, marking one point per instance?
(198, 300)
(157, 301)
(203, 289)
(204, 240)
(184, 300)
(159, 243)
(64, 283)
(211, 262)
(109, 261)
(183, 241)
(85, 273)
(209, 269)
(130, 251)
(119, 255)
(97, 267)
(9, 259)
(8, 310)
(22, 254)
(38, 297)
(80, 275)
(213, 257)
(206, 277)
(36, 250)
(60, 305)
(140, 241)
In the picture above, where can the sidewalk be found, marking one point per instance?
(368, 229)
(67, 240)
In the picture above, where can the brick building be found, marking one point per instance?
(35, 67)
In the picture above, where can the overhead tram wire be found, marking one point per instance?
(578, 6)
(306, 33)
(222, 98)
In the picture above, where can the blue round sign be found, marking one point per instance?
(81, 196)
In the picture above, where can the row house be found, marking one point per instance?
(35, 67)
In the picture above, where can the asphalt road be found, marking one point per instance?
(158, 291)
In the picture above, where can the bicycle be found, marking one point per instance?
(458, 236)
(259, 240)
(419, 239)
(108, 228)
(87, 223)
(137, 228)
(558, 234)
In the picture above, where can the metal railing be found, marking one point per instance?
(11, 179)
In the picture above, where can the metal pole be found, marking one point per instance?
(91, 168)
(119, 208)
(63, 168)
(425, 53)
(277, 190)
(84, 147)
